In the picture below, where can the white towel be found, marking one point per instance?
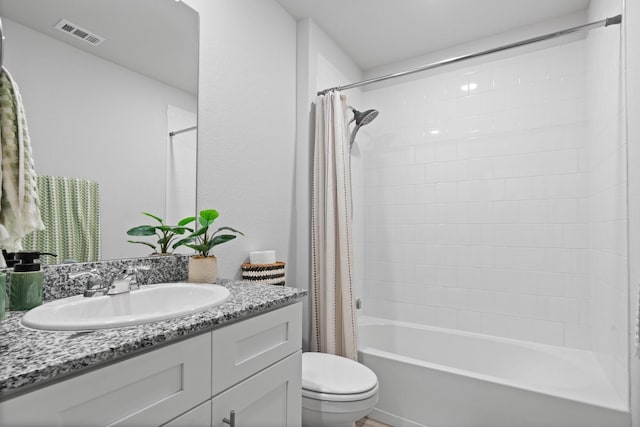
(19, 205)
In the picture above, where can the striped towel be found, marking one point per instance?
(19, 207)
(71, 213)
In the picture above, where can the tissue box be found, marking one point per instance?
(264, 274)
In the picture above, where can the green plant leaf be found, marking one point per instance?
(202, 248)
(228, 229)
(142, 230)
(183, 242)
(187, 220)
(200, 239)
(151, 245)
(198, 232)
(160, 220)
(207, 217)
(181, 230)
(223, 238)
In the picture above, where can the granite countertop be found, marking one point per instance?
(29, 357)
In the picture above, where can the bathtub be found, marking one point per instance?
(438, 377)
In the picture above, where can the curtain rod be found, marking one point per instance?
(614, 20)
(177, 132)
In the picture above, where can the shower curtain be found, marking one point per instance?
(333, 321)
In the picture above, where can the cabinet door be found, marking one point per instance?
(271, 398)
(145, 390)
(200, 416)
(245, 348)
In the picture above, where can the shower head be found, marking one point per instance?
(362, 119)
(365, 117)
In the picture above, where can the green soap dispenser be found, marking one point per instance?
(26, 281)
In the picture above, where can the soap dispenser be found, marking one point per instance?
(26, 281)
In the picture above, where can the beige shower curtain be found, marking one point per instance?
(333, 322)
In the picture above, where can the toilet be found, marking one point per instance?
(336, 391)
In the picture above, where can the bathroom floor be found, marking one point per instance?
(368, 422)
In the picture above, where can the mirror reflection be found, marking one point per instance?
(110, 94)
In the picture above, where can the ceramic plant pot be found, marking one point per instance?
(203, 269)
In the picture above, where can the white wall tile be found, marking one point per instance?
(470, 321)
(446, 317)
(548, 332)
(505, 75)
(486, 225)
(577, 336)
(495, 324)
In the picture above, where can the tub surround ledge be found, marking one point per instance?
(31, 358)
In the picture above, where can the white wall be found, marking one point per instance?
(607, 160)
(246, 125)
(89, 118)
(321, 64)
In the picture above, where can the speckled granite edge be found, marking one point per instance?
(169, 268)
(29, 357)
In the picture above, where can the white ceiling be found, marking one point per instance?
(157, 38)
(380, 32)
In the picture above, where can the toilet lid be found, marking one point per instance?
(327, 373)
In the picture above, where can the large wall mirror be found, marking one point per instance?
(110, 97)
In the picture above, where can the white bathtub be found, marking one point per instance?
(437, 377)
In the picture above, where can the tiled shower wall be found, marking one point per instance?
(475, 199)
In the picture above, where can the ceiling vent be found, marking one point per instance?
(78, 32)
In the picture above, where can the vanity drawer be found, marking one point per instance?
(242, 349)
(145, 390)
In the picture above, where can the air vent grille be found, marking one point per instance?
(78, 32)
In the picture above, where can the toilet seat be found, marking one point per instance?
(339, 397)
(337, 376)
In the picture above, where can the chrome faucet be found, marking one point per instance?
(95, 285)
(127, 280)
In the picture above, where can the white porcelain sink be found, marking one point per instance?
(148, 304)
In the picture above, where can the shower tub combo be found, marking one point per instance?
(436, 377)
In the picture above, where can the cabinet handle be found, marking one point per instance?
(231, 420)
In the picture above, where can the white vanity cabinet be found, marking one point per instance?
(252, 367)
(259, 397)
(148, 389)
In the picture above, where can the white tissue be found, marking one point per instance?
(262, 257)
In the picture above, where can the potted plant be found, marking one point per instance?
(166, 234)
(203, 267)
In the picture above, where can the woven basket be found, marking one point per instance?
(264, 274)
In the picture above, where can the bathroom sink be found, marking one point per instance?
(148, 304)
